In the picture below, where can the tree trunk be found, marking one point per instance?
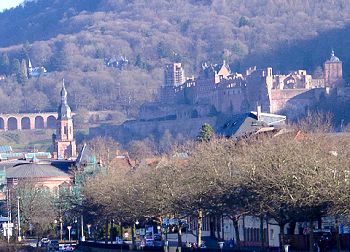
(222, 228)
(262, 231)
(179, 238)
(281, 236)
(121, 230)
(110, 231)
(311, 244)
(106, 231)
(217, 227)
(267, 233)
(236, 227)
(199, 228)
(244, 237)
(133, 238)
(337, 234)
(292, 226)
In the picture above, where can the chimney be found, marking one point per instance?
(258, 112)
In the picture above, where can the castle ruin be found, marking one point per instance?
(219, 90)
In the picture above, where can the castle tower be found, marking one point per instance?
(174, 75)
(64, 142)
(333, 71)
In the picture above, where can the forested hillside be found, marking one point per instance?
(73, 39)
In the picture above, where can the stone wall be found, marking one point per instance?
(297, 98)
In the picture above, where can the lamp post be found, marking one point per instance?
(89, 227)
(19, 220)
(82, 228)
(61, 229)
(69, 228)
(8, 216)
(133, 236)
(55, 222)
(77, 227)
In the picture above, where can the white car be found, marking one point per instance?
(44, 242)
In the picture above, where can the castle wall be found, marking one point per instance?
(333, 73)
(135, 130)
(228, 100)
(297, 98)
(259, 85)
(156, 111)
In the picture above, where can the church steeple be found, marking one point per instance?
(64, 111)
(64, 142)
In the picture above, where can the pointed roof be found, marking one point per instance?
(64, 111)
(29, 64)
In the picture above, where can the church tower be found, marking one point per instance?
(64, 142)
(333, 71)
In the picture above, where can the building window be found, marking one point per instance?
(272, 234)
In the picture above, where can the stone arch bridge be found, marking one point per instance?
(28, 121)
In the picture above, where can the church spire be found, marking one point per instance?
(64, 111)
(64, 142)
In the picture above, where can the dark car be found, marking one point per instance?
(54, 245)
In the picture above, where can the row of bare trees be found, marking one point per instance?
(286, 178)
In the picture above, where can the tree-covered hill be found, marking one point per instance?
(72, 39)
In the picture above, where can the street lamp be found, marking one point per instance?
(19, 220)
(133, 235)
(88, 226)
(61, 229)
(69, 228)
(82, 228)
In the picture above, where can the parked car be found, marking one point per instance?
(68, 247)
(54, 245)
(149, 242)
(44, 242)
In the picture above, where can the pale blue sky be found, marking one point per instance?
(7, 4)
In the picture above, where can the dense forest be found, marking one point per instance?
(77, 40)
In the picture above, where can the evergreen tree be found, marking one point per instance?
(22, 74)
(206, 133)
(4, 64)
(15, 66)
(25, 51)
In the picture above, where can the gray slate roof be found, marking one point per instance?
(243, 125)
(34, 170)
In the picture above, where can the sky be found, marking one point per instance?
(7, 4)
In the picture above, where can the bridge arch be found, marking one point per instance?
(39, 122)
(25, 123)
(12, 123)
(51, 122)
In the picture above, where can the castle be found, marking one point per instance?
(219, 90)
(217, 93)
